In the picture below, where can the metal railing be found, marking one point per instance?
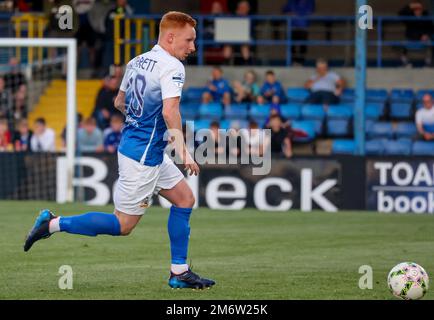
(379, 42)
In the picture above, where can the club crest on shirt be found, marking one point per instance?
(178, 79)
(145, 203)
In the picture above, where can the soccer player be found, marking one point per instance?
(149, 97)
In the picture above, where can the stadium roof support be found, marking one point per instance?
(360, 75)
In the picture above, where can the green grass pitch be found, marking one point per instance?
(251, 255)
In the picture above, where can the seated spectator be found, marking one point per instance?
(120, 7)
(248, 90)
(272, 87)
(89, 137)
(280, 142)
(425, 118)
(417, 30)
(217, 86)
(5, 135)
(5, 99)
(253, 140)
(43, 138)
(104, 105)
(274, 111)
(260, 100)
(113, 138)
(14, 78)
(22, 136)
(79, 125)
(20, 103)
(216, 138)
(326, 87)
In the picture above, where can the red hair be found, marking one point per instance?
(176, 19)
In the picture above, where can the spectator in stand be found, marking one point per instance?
(79, 125)
(5, 100)
(121, 7)
(425, 118)
(298, 10)
(86, 36)
(217, 86)
(43, 138)
(280, 142)
(255, 142)
(260, 100)
(117, 71)
(22, 136)
(90, 137)
(239, 54)
(104, 105)
(113, 138)
(417, 30)
(20, 103)
(216, 137)
(326, 86)
(248, 90)
(5, 135)
(272, 87)
(274, 111)
(14, 78)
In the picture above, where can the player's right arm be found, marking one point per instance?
(172, 117)
(120, 101)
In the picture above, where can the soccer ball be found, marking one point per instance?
(408, 281)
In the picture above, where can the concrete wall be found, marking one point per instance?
(296, 76)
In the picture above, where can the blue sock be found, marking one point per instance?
(91, 224)
(179, 233)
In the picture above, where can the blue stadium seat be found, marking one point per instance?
(193, 94)
(337, 127)
(375, 146)
(343, 146)
(312, 111)
(423, 148)
(348, 95)
(340, 112)
(400, 110)
(212, 111)
(242, 124)
(397, 147)
(201, 124)
(405, 130)
(318, 126)
(422, 92)
(225, 124)
(380, 130)
(376, 95)
(291, 111)
(297, 94)
(369, 124)
(236, 111)
(402, 95)
(189, 111)
(307, 126)
(374, 111)
(259, 112)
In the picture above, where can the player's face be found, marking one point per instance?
(183, 42)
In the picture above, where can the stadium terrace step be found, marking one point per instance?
(52, 104)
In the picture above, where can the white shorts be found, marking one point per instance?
(138, 183)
